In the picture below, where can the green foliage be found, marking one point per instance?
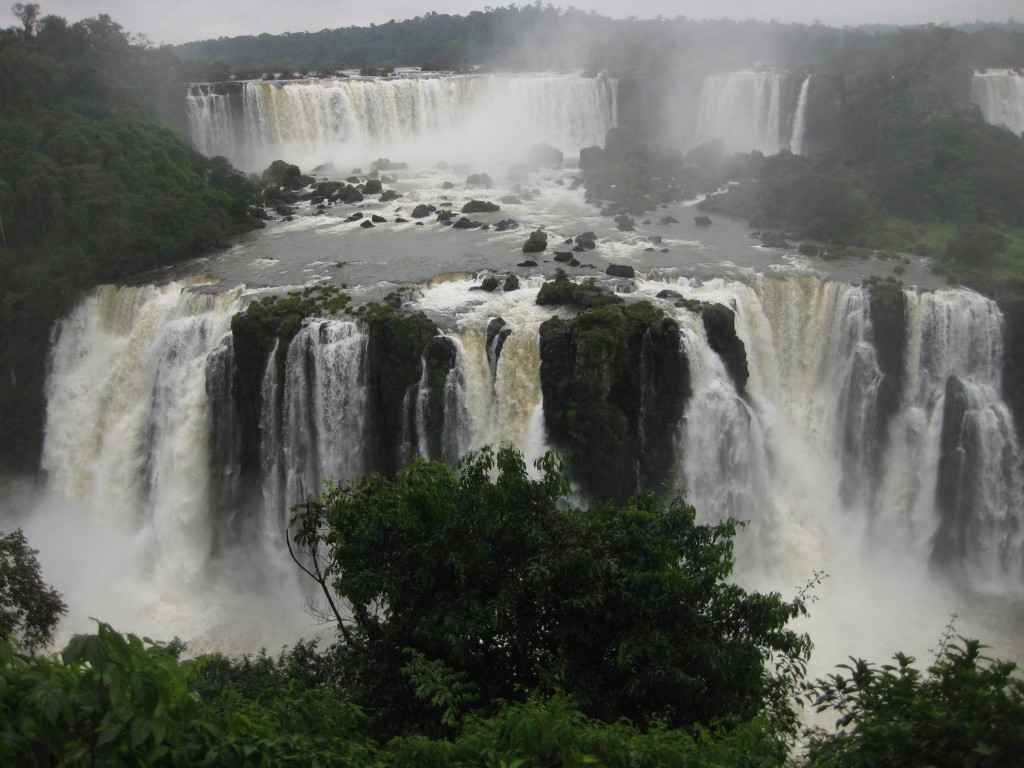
(963, 710)
(497, 591)
(480, 206)
(285, 175)
(563, 291)
(536, 242)
(91, 188)
(556, 733)
(29, 609)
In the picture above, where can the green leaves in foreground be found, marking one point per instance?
(964, 710)
(472, 588)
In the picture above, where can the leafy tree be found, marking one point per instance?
(963, 710)
(461, 591)
(29, 609)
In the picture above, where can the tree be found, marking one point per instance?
(29, 609)
(461, 591)
(28, 15)
(964, 710)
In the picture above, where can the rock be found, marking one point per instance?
(355, 216)
(620, 270)
(354, 180)
(536, 242)
(372, 187)
(563, 256)
(464, 223)
(527, 263)
(376, 219)
(422, 210)
(511, 283)
(506, 224)
(447, 185)
(774, 240)
(545, 155)
(511, 200)
(366, 224)
(655, 239)
(479, 180)
(400, 220)
(668, 294)
(490, 284)
(702, 221)
(480, 206)
(388, 195)
(625, 223)
(665, 220)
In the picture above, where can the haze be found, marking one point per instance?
(187, 20)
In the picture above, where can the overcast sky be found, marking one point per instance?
(179, 21)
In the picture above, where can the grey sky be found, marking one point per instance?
(179, 21)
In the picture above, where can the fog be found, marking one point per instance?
(189, 20)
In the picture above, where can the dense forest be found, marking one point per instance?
(95, 184)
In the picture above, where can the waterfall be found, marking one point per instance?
(142, 431)
(796, 143)
(325, 407)
(999, 93)
(744, 110)
(352, 121)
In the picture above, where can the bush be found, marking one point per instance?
(963, 710)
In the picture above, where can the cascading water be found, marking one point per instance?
(351, 121)
(796, 143)
(746, 110)
(827, 476)
(999, 93)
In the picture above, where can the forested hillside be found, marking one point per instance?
(94, 184)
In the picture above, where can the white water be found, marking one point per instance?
(130, 532)
(350, 122)
(999, 93)
(744, 110)
(796, 144)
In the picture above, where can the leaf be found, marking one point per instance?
(48, 698)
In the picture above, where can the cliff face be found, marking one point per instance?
(1011, 302)
(615, 382)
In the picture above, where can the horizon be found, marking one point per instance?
(191, 21)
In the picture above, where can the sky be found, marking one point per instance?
(180, 21)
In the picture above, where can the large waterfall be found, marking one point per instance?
(753, 110)
(999, 93)
(352, 121)
(825, 465)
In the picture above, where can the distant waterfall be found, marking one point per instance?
(747, 111)
(352, 121)
(796, 144)
(999, 93)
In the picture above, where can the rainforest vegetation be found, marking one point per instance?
(481, 619)
(95, 184)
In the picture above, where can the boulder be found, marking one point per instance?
(480, 206)
(464, 223)
(620, 270)
(422, 210)
(563, 256)
(702, 221)
(388, 195)
(536, 242)
(545, 155)
(479, 180)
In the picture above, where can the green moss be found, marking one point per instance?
(563, 291)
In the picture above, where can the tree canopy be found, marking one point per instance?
(483, 585)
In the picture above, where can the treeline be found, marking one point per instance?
(487, 622)
(536, 37)
(94, 184)
(527, 38)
